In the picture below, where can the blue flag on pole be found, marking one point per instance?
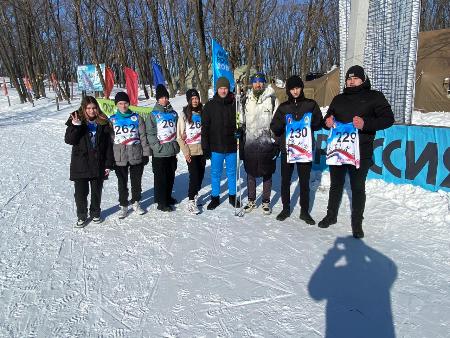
(220, 65)
(158, 77)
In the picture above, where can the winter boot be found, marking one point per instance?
(192, 207)
(357, 229)
(172, 201)
(233, 201)
(305, 216)
(137, 208)
(164, 208)
(328, 220)
(267, 210)
(250, 206)
(285, 213)
(215, 201)
(123, 212)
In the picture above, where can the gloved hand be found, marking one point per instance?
(145, 160)
(238, 133)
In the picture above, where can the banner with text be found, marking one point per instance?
(221, 65)
(417, 155)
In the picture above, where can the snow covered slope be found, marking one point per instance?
(177, 275)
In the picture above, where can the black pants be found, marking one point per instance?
(196, 170)
(164, 175)
(267, 188)
(81, 194)
(304, 172)
(136, 172)
(358, 186)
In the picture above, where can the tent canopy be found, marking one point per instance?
(433, 66)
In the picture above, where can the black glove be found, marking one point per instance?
(145, 160)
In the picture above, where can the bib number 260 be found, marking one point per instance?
(168, 123)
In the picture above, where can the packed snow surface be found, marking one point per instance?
(214, 274)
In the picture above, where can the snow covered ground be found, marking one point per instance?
(211, 275)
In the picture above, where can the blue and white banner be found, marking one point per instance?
(158, 77)
(88, 78)
(220, 65)
(417, 155)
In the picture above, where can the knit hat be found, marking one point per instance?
(222, 82)
(356, 71)
(190, 93)
(258, 77)
(161, 91)
(294, 81)
(121, 96)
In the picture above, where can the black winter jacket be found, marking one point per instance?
(219, 125)
(87, 162)
(370, 105)
(298, 107)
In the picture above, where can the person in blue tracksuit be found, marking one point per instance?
(219, 140)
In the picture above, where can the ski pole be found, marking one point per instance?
(238, 161)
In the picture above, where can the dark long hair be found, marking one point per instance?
(189, 109)
(100, 118)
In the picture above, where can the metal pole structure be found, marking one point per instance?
(238, 211)
(357, 29)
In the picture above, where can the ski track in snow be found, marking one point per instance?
(181, 275)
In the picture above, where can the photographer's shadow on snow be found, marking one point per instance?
(355, 281)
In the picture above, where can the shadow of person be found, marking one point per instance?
(355, 280)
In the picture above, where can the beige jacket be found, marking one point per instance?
(187, 149)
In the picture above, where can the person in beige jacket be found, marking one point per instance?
(189, 128)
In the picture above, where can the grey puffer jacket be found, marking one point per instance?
(161, 127)
(130, 143)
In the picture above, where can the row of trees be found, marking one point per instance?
(43, 37)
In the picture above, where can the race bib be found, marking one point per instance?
(299, 139)
(92, 128)
(166, 126)
(194, 130)
(343, 145)
(126, 130)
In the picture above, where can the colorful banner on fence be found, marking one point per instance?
(158, 77)
(109, 108)
(131, 83)
(89, 79)
(417, 155)
(220, 65)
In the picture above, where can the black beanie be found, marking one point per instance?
(356, 71)
(293, 82)
(190, 93)
(222, 82)
(121, 96)
(161, 91)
